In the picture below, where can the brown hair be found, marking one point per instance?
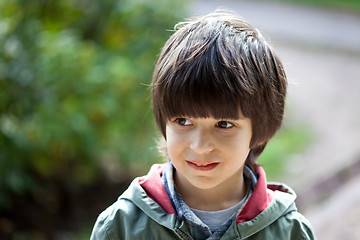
(214, 66)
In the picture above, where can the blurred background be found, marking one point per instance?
(76, 125)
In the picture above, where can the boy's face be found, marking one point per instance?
(208, 153)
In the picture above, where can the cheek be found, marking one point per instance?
(239, 146)
(174, 151)
(170, 146)
(173, 142)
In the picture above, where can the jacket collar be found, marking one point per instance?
(258, 202)
(267, 204)
(153, 186)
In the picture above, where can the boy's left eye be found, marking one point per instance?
(224, 124)
(183, 121)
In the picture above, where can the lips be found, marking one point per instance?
(202, 166)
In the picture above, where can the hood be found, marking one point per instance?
(267, 203)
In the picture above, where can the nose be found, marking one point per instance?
(201, 142)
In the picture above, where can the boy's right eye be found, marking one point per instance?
(183, 121)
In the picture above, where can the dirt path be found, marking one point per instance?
(321, 53)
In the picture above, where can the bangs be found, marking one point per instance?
(199, 103)
(202, 87)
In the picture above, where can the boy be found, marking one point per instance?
(218, 97)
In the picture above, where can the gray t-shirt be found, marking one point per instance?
(214, 219)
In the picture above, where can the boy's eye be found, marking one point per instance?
(183, 121)
(224, 124)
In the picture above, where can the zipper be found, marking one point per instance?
(182, 235)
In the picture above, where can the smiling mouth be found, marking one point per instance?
(202, 166)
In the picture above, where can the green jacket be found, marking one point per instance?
(144, 211)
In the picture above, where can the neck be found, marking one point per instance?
(212, 199)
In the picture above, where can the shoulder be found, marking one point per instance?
(291, 224)
(134, 216)
(280, 219)
(112, 222)
(300, 226)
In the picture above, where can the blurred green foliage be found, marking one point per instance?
(73, 88)
(288, 142)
